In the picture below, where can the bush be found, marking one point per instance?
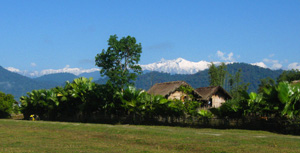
(6, 105)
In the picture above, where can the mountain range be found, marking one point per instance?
(249, 74)
(194, 73)
(176, 66)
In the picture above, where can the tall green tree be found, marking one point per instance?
(266, 82)
(217, 75)
(289, 76)
(119, 62)
(222, 73)
(236, 85)
(213, 75)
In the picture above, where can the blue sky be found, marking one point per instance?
(37, 35)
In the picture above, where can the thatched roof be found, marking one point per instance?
(167, 88)
(208, 92)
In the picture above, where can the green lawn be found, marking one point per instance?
(41, 136)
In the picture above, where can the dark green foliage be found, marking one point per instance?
(138, 102)
(279, 101)
(187, 90)
(217, 75)
(213, 75)
(232, 109)
(236, 86)
(252, 74)
(191, 107)
(289, 76)
(119, 62)
(79, 100)
(40, 102)
(289, 95)
(6, 105)
(75, 100)
(265, 83)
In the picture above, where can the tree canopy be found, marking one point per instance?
(289, 76)
(217, 74)
(119, 62)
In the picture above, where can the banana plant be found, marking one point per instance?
(290, 96)
(159, 105)
(255, 103)
(40, 102)
(80, 87)
(131, 100)
(80, 95)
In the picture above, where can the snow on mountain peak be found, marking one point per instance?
(180, 60)
(183, 66)
(177, 66)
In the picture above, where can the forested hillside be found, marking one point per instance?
(17, 85)
(57, 78)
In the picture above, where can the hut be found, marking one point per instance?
(213, 96)
(172, 90)
(296, 82)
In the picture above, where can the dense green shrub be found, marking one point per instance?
(76, 99)
(6, 105)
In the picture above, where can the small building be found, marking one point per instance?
(296, 82)
(213, 96)
(171, 90)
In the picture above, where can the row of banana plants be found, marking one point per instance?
(76, 98)
(80, 99)
(275, 101)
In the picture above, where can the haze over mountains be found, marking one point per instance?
(195, 73)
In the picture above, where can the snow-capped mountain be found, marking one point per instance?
(178, 66)
(182, 66)
(66, 69)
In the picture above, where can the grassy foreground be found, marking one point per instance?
(41, 136)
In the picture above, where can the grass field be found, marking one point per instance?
(41, 136)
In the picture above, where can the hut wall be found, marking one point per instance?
(176, 95)
(218, 99)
